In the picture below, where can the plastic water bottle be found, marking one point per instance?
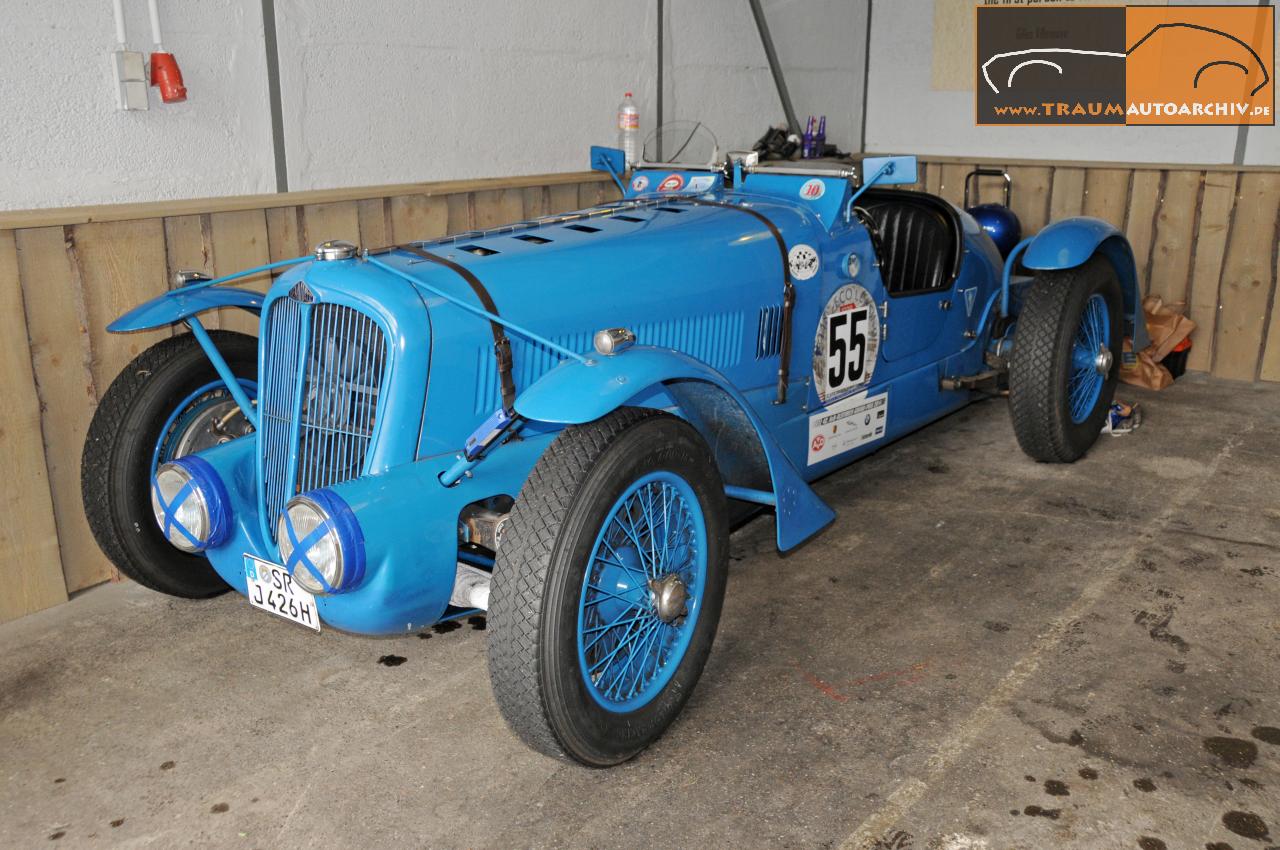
(629, 129)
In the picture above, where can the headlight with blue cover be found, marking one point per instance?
(321, 543)
(190, 504)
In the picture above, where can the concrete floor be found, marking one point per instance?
(983, 653)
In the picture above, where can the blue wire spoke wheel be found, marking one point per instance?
(642, 592)
(1090, 358)
(1065, 361)
(608, 586)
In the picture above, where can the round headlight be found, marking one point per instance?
(189, 504)
(321, 543)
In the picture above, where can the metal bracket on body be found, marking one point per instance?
(224, 371)
(1010, 262)
(502, 421)
(887, 168)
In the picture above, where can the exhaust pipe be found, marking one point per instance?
(470, 588)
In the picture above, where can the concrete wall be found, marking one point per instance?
(384, 91)
(905, 114)
(65, 143)
(380, 91)
(716, 70)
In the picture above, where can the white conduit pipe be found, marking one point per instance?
(118, 7)
(153, 8)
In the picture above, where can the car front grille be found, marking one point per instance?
(322, 373)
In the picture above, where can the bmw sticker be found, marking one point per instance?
(640, 183)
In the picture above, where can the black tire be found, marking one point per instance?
(547, 542)
(1040, 366)
(115, 469)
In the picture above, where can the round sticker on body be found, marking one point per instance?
(671, 183)
(813, 189)
(847, 343)
(803, 261)
(640, 183)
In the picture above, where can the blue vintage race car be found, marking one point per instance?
(559, 421)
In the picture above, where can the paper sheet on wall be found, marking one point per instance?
(953, 35)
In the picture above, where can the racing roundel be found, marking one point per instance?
(671, 183)
(803, 261)
(640, 183)
(813, 189)
(847, 343)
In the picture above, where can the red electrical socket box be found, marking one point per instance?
(167, 76)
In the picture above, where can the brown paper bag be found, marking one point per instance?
(1166, 325)
(1146, 372)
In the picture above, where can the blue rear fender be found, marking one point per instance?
(746, 452)
(1071, 242)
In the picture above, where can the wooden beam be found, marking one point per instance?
(1067, 198)
(1206, 270)
(61, 357)
(30, 561)
(241, 240)
(1106, 194)
(418, 217)
(1126, 166)
(1248, 278)
(1174, 236)
(15, 219)
(1144, 203)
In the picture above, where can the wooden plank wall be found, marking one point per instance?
(1205, 237)
(64, 274)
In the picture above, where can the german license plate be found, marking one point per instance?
(271, 588)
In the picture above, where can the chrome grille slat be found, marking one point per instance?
(323, 372)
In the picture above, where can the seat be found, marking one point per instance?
(919, 240)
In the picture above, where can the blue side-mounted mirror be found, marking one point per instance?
(611, 160)
(892, 170)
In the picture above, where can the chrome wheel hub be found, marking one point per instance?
(1102, 361)
(669, 597)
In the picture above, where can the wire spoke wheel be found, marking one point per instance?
(641, 592)
(1090, 358)
(608, 586)
(1064, 368)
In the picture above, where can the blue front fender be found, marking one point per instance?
(574, 393)
(181, 304)
(1071, 242)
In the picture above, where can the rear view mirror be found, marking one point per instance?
(888, 170)
(610, 160)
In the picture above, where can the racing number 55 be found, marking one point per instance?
(846, 348)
